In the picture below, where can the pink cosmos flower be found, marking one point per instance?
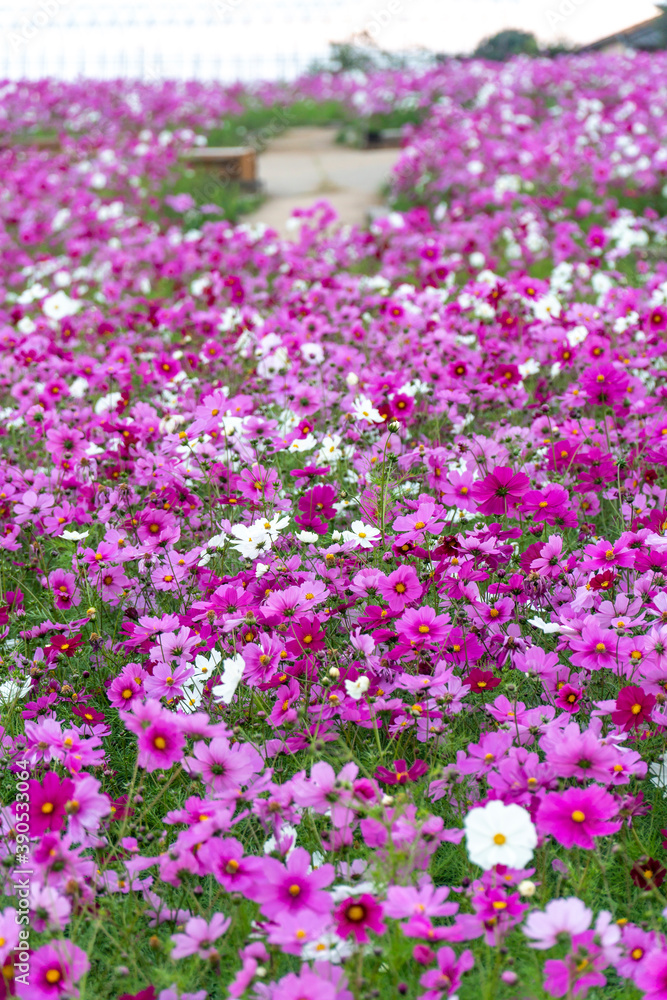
(200, 937)
(160, 739)
(32, 506)
(224, 767)
(581, 970)
(306, 985)
(597, 648)
(9, 933)
(548, 563)
(447, 977)
(604, 385)
(427, 900)
(86, 808)
(577, 815)
(294, 886)
(560, 916)
(500, 491)
(64, 589)
(175, 647)
(547, 504)
(420, 626)
(427, 517)
(54, 969)
(456, 491)
(577, 754)
(357, 915)
(223, 858)
(400, 588)
(652, 977)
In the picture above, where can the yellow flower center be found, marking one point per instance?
(499, 839)
(578, 816)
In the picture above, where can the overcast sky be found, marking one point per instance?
(230, 39)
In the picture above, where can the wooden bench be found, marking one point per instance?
(237, 164)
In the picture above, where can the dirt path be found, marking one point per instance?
(304, 165)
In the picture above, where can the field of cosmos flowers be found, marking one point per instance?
(333, 571)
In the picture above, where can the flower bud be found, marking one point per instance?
(527, 888)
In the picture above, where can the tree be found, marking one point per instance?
(506, 44)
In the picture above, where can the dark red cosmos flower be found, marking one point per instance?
(603, 581)
(481, 680)
(648, 872)
(633, 707)
(401, 773)
(66, 644)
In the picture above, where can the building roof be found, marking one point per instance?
(649, 35)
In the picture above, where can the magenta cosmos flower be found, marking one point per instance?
(652, 977)
(633, 707)
(47, 803)
(401, 773)
(54, 969)
(577, 815)
(500, 491)
(294, 886)
(160, 739)
(357, 915)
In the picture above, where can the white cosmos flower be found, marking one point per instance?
(271, 528)
(357, 689)
(192, 695)
(108, 402)
(304, 444)
(231, 678)
(363, 409)
(499, 834)
(307, 537)
(547, 627)
(59, 305)
(74, 536)
(362, 535)
(330, 449)
(250, 540)
(205, 666)
(13, 689)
